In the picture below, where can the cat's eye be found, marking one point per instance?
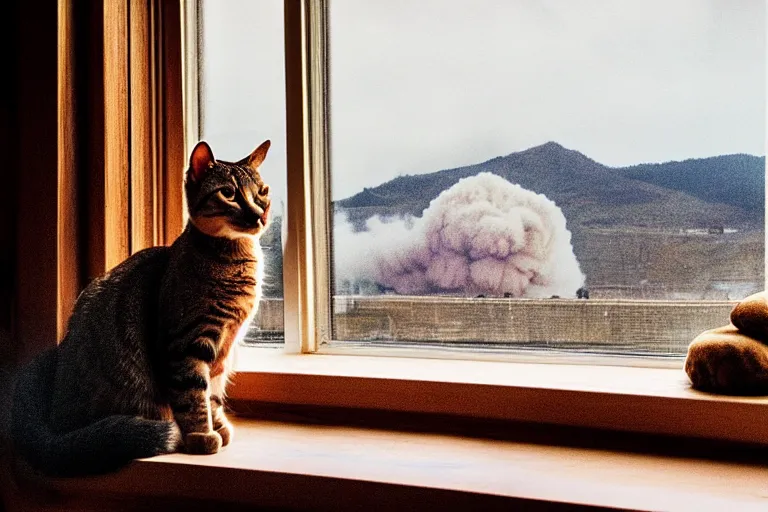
(227, 193)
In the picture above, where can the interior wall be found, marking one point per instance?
(28, 183)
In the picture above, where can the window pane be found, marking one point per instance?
(242, 103)
(586, 176)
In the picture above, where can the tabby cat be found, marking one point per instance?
(143, 366)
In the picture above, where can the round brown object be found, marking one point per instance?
(726, 361)
(750, 316)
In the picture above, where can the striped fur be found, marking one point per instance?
(143, 367)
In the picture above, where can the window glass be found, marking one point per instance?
(242, 103)
(582, 176)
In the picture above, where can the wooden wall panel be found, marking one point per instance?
(89, 51)
(117, 156)
(142, 176)
(9, 140)
(95, 119)
(171, 117)
(68, 233)
(37, 192)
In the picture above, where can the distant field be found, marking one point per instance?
(647, 264)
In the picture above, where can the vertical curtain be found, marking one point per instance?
(97, 149)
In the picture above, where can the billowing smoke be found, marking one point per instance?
(484, 235)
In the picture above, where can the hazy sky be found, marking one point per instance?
(419, 86)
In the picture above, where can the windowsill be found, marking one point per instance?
(341, 468)
(630, 399)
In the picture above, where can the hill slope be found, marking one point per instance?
(725, 190)
(629, 224)
(737, 180)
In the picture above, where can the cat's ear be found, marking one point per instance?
(259, 154)
(200, 161)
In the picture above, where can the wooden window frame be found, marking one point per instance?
(641, 400)
(100, 111)
(64, 129)
(144, 130)
(132, 127)
(143, 145)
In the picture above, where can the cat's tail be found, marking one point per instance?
(97, 448)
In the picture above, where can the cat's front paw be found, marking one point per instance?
(226, 432)
(725, 361)
(202, 443)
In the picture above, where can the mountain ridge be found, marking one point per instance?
(593, 194)
(690, 229)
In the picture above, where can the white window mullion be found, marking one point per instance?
(306, 267)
